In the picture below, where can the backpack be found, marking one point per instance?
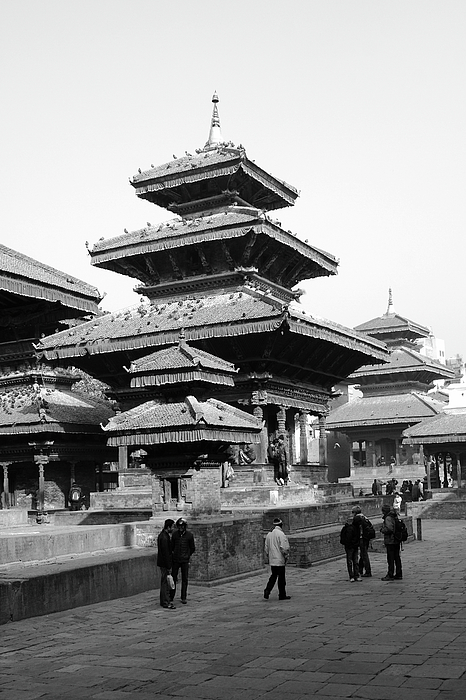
(368, 530)
(349, 535)
(401, 531)
(75, 495)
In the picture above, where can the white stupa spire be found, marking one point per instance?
(390, 307)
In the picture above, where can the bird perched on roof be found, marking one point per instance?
(152, 165)
(175, 157)
(125, 230)
(139, 170)
(149, 223)
(189, 154)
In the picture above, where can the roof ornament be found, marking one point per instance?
(215, 134)
(390, 307)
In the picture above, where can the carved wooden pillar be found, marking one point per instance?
(261, 448)
(6, 501)
(303, 437)
(281, 421)
(322, 442)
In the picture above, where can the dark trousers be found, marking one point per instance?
(278, 572)
(364, 562)
(352, 556)
(184, 567)
(164, 588)
(394, 560)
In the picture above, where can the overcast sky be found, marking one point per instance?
(360, 104)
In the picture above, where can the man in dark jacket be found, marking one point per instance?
(360, 520)
(392, 545)
(182, 549)
(164, 562)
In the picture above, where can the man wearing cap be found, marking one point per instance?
(276, 551)
(182, 549)
(360, 520)
(392, 546)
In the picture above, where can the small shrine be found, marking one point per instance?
(186, 441)
(224, 271)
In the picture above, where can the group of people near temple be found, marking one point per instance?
(277, 455)
(356, 535)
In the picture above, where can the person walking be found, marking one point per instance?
(183, 548)
(276, 552)
(366, 533)
(164, 562)
(392, 545)
(350, 539)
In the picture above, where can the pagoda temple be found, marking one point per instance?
(394, 397)
(49, 427)
(224, 272)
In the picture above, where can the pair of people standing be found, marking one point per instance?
(174, 552)
(355, 536)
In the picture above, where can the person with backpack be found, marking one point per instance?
(392, 543)
(350, 538)
(366, 534)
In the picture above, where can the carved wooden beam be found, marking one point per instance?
(228, 257)
(245, 259)
(204, 262)
(176, 270)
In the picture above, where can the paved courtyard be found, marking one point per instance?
(404, 640)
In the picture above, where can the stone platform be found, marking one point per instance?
(47, 568)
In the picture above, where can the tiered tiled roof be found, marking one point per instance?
(404, 360)
(187, 421)
(231, 223)
(220, 315)
(181, 364)
(444, 428)
(27, 409)
(221, 163)
(383, 410)
(23, 276)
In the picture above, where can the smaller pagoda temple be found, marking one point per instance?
(394, 397)
(49, 427)
(186, 441)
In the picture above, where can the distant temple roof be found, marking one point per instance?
(391, 327)
(184, 422)
(404, 361)
(24, 276)
(371, 411)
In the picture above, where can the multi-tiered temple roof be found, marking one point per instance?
(225, 272)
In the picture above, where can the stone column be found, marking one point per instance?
(6, 501)
(322, 442)
(122, 457)
(397, 451)
(303, 437)
(41, 461)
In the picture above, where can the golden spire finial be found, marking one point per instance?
(215, 134)
(390, 309)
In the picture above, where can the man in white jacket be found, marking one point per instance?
(277, 549)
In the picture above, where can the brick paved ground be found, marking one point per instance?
(404, 640)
